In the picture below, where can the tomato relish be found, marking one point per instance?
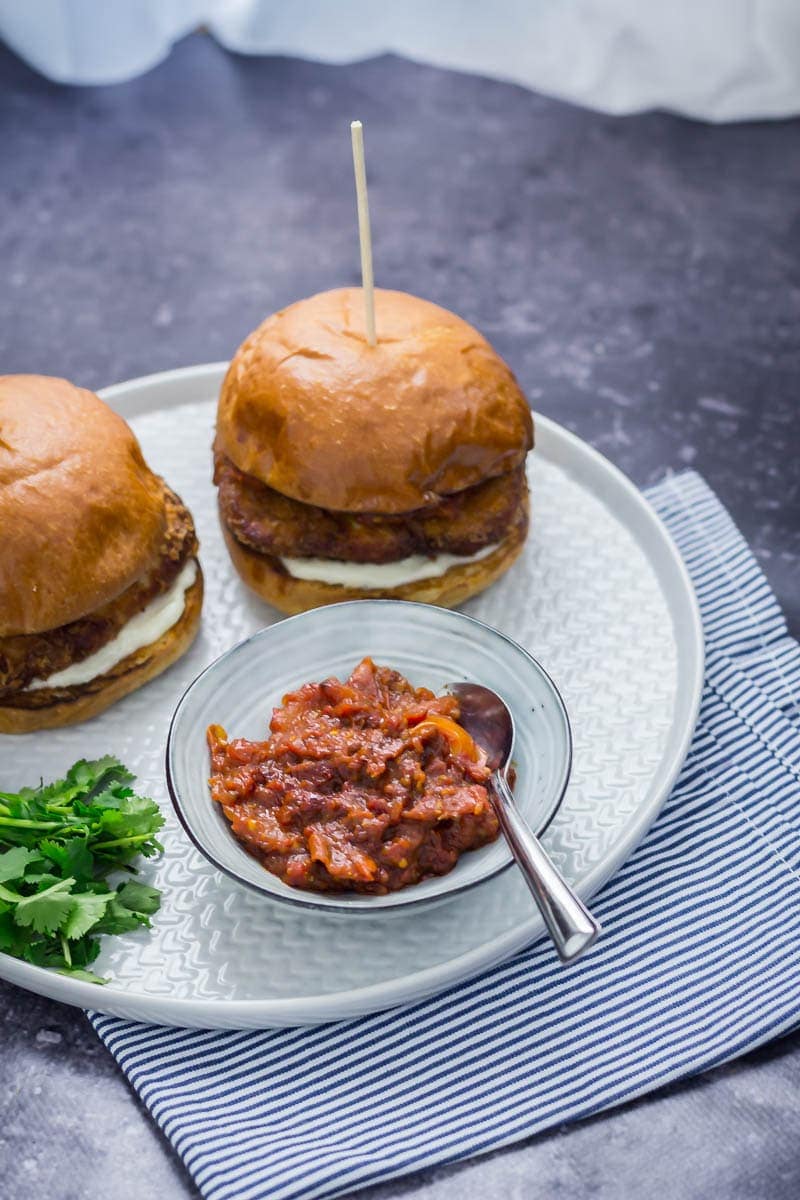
(368, 785)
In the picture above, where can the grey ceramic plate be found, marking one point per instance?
(599, 596)
(431, 647)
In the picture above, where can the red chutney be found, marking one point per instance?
(364, 786)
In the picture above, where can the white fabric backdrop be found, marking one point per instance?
(720, 60)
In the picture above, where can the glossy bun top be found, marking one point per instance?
(81, 514)
(315, 412)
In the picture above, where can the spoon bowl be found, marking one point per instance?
(488, 720)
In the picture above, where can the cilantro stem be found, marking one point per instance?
(54, 887)
(65, 951)
(126, 841)
(19, 823)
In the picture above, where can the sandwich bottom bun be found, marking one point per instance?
(67, 706)
(269, 581)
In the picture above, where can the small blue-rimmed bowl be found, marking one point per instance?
(431, 647)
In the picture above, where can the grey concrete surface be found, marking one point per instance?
(642, 277)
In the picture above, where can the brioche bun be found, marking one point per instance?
(81, 514)
(90, 538)
(312, 410)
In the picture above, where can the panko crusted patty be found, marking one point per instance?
(273, 524)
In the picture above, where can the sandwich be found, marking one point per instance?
(348, 471)
(100, 587)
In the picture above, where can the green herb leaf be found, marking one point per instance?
(139, 897)
(61, 844)
(46, 911)
(85, 775)
(73, 856)
(119, 919)
(12, 939)
(41, 879)
(80, 973)
(14, 862)
(86, 911)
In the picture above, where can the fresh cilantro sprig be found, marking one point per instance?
(60, 844)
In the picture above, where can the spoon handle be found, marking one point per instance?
(569, 922)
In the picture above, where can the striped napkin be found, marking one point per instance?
(699, 960)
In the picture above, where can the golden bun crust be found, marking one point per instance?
(309, 408)
(291, 595)
(134, 671)
(81, 514)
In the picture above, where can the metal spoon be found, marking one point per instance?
(489, 722)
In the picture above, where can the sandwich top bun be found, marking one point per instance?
(315, 412)
(81, 514)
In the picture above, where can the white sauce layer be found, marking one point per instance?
(143, 629)
(380, 575)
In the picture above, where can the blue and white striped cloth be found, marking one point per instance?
(699, 960)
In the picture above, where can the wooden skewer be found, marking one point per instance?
(364, 235)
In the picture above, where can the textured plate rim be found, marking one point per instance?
(137, 397)
(403, 901)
